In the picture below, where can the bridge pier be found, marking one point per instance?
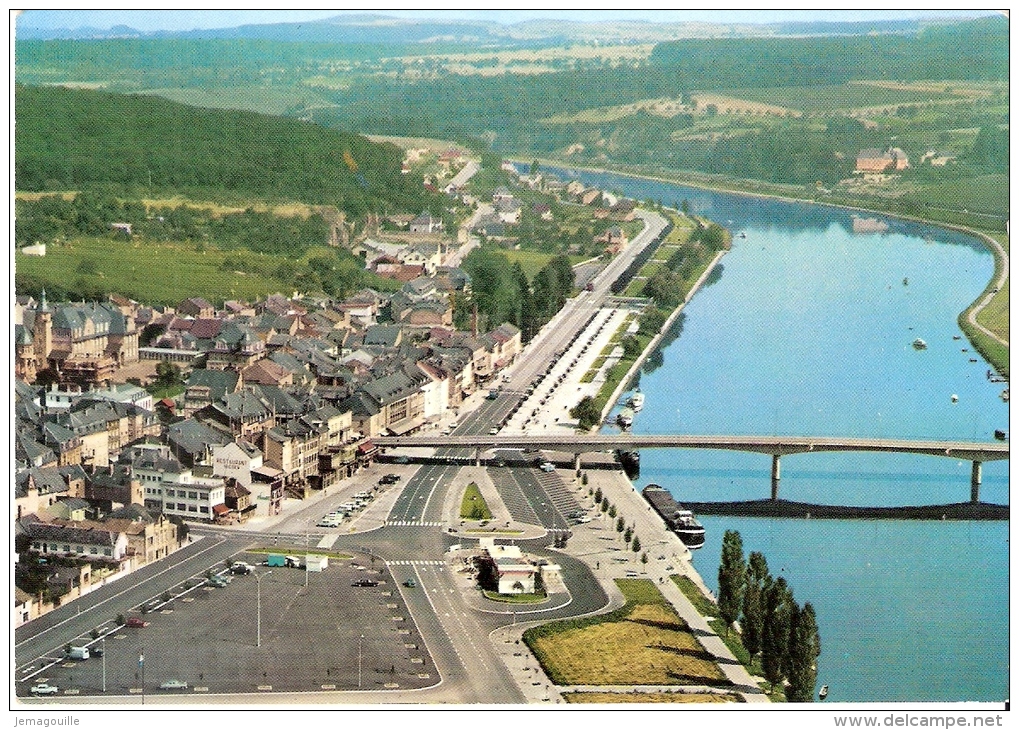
(576, 464)
(776, 475)
(477, 456)
(974, 482)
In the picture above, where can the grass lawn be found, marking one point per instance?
(707, 608)
(530, 261)
(473, 505)
(154, 273)
(995, 316)
(643, 642)
(647, 697)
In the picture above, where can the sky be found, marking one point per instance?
(151, 20)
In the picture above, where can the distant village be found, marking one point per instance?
(274, 399)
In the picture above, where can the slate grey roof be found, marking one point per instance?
(219, 382)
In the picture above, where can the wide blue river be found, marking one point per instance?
(808, 330)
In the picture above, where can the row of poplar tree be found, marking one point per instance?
(772, 623)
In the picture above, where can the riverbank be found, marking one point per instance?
(656, 340)
(992, 345)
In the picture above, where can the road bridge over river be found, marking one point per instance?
(775, 446)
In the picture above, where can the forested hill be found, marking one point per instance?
(67, 139)
(975, 50)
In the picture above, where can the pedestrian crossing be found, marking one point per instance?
(412, 523)
(415, 562)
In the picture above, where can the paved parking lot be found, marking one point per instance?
(311, 639)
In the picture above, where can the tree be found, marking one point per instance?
(732, 574)
(758, 582)
(775, 641)
(597, 495)
(620, 524)
(628, 535)
(636, 544)
(167, 374)
(804, 648)
(612, 511)
(534, 167)
(586, 412)
(631, 347)
(643, 560)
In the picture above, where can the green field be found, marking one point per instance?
(154, 273)
(826, 99)
(986, 194)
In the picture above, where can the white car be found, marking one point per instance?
(44, 689)
(547, 466)
(173, 684)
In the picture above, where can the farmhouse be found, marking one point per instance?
(875, 160)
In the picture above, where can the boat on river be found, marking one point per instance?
(678, 519)
(625, 418)
(919, 344)
(823, 693)
(630, 461)
(637, 401)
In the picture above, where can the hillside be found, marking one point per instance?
(67, 139)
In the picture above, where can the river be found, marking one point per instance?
(808, 330)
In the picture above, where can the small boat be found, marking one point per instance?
(1004, 395)
(905, 282)
(625, 418)
(742, 235)
(956, 337)
(919, 344)
(955, 398)
(637, 401)
(823, 693)
(1000, 434)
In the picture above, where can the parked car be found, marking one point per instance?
(547, 466)
(44, 689)
(241, 569)
(410, 583)
(173, 684)
(389, 479)
(136, 623)
(365, 583)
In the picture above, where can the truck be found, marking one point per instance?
(78, 652)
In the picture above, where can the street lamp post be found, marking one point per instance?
(360, 639)
(141, 666)
(258, 608)
(104, 663)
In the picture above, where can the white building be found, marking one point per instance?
(237, 460)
